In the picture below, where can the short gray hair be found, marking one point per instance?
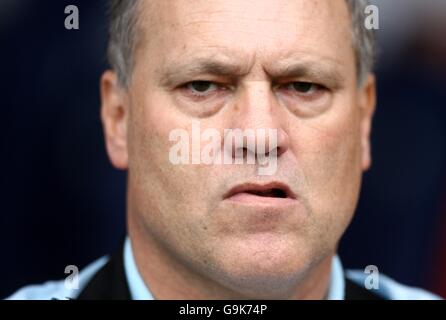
(364, 40)
(123, 22)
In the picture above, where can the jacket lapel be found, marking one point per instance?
(109, 283)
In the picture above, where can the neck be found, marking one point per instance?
(169, 278)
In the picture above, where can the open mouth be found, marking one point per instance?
(271, 193)
(273, 190)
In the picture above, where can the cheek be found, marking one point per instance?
(329, 152)
(170, 195)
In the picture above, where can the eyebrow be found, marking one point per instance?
(176, 73)
(313, 70)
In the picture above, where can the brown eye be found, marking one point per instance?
(303, 87)
(201, 87)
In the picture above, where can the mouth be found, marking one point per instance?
(273, 192)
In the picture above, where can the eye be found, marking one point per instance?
(303, 87)
(201, 88)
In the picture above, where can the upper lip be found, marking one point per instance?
(261, 187)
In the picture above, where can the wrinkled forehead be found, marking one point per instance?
(249, 31)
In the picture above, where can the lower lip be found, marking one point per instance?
(252, 199)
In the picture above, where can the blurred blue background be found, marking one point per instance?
(62, 203)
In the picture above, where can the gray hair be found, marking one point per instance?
(123, 33)
(364, 40)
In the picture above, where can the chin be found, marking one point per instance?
(263, 264)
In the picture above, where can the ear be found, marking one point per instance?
(114, 115)
(367, 103)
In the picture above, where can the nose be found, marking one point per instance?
(257, 113)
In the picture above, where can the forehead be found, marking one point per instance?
(269, 31)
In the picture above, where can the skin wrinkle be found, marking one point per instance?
(331, 78)
(351, 18)
(188, 242)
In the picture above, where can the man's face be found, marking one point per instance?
(259, 59)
